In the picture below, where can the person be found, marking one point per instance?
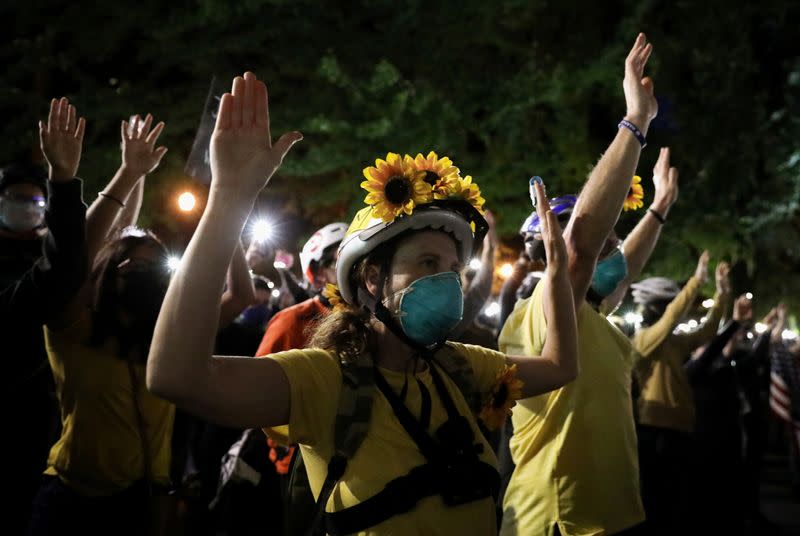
(31, 293)
(365, 358)
(724, 490)
(575, 448)
(666, 407)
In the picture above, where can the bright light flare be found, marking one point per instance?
(475, 264)
(506, 270)
(749, 295)
(280, 265)
(761, 328)
(492, 310)
(173, 262)
(709, 303)
(187, 201)
(789, 335)
(633, 318)
(261, 231)
(276, 293)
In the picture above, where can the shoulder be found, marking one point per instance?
(309, 365)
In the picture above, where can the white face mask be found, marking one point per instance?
(22, 215)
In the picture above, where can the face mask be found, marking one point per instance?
(18, 215)
(609, 273)
(431, 307)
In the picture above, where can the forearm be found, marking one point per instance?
(695, 368)
(478, 292)
(179, 362)
(106, 209)
(240, 292)
(600, 202)
(129, 215)
(558, 364)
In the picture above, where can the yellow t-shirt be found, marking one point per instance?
(575, 447)
(99, 451)
(387, 451)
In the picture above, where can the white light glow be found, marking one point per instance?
(709, 303)
(475, 264)
(270, 284)
(789, 335)
(692, 323)
(186, 201)
(493, 309)
(261, 231)
(684, 328)
(760, 328)
(750, 335)
(506, 270)
(173, 262)
(276, 293)
(279, 264)
(749, 295)
(633, 318)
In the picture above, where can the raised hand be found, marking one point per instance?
(639, 97)
(139, 154)
(721, 278)
(665, 182)
(491, 235)
(552, 237)
(701, 273)
(61, 140)
(743, 309)
(243, 157)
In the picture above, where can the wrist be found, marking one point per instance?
(662, 206)
(130, 172)
(641, 121)
(60, 174)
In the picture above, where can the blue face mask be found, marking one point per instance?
(609, 273)
(431, 307)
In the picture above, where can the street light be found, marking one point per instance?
(186, 201)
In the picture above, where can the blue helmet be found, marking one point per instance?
(559, 205)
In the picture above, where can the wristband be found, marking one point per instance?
(635, 130)
(107, 196)
(661, 219)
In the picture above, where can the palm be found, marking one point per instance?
(243, 157)
(139, 153)
(62, 139)
(639, 94)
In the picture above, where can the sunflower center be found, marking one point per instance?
(398, 189)
(431, 177)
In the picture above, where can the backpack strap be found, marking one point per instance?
(460, 371)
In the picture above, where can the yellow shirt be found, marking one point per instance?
(387, 451)
(575, 447)
(666, 398)
(99, 451)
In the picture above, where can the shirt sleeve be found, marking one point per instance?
(690, 341)
(486, 364)
(648, 339)
(314, 385)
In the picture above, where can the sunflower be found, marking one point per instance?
(470, 191)
(334, 297)
(394, 187)
(635, 195)
(506, 391)
(440, 173)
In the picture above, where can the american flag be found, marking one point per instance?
(784, 389)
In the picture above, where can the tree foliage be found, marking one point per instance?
(507, 89)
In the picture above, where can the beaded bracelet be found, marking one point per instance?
(107, 196)
(636, 132)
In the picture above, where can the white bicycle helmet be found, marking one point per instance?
(315, 247)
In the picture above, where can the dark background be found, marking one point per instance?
(507, 89)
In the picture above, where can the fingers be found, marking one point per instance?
(124, 131)
(158, 154)
(636, 48)
(673, 175)
(71, 119)
(42, 134)
(63, 113)
(153, 136)
(647, 84)
(261, 110)
(145, 127)
(80, 129)
(266, 100)
(238, 101)
(285, 143)
(248, 106)
(225, 112)
(51, 117)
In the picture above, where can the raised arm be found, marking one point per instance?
(54, 279)
(558, 364)
(238, 392)
(481, 287)
(701, 336)
(639, 244)
(129, 214)
(240, 292)
(600, 202)
(139, 157)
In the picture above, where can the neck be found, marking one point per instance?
(392, 353)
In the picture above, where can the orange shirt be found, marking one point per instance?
(287, 329)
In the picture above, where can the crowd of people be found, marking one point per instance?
(228, 396)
